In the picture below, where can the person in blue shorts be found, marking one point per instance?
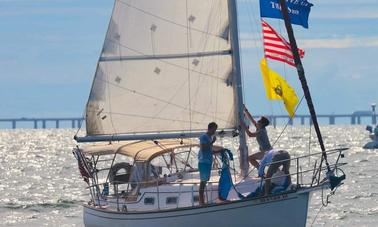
(205, 158)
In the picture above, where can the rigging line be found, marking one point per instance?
(98, 64)
(216, 46)
(148, 117)
(249, 7)
(110, 106)
(317, 213)
(157, 99)
(188, 63)
(170, 99)
(258, 28)
(218, 63)
(309, 145)
(154, 56)
(81, 122)
(241, 66)
(163, 147)
(287, 123)
(167, 20)
(109, 103)
(205, 44)
(284, 65)
(167, 62)
(260, 37)
(163, 108)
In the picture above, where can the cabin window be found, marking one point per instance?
(196, 198)
(149, 201)
(171, 200)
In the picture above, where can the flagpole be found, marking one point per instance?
(302, 78)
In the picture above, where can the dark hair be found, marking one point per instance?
(212, 125)
(264, 121)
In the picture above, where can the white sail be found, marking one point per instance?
(166, 66)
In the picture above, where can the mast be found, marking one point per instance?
(232, 12)
(302, 78)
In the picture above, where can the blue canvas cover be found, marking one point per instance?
(225, 181)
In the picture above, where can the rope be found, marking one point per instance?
(309, 145)
(188, 34)
(316, 216)
(165, 61)
(158, 99)
(167, 20)
(287, 123)
(80, 123)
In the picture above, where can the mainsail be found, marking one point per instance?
(164, 70)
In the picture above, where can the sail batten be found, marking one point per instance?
(166, 66)
(168, 56)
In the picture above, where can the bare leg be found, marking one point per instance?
(202, 193)
(253, 161)
(256, 156)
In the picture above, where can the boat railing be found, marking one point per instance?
(122, 199)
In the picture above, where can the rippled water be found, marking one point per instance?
(40, 183)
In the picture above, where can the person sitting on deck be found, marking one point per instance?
(261, 137)
(205, 158)
(275, 159)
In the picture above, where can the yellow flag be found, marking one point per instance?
(277, 88)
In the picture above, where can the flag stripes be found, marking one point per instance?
(276, 47)
(84, 167)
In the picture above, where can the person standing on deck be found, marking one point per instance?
(261, 137)
(205, 158)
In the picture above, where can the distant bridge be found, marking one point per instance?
(355, 118)
(42, 122)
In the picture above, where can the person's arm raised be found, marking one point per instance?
(249, 115)
(249, 133)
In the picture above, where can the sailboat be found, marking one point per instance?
(166, 70)
(373, 144)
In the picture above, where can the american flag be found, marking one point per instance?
(276, 47)
(83, 165)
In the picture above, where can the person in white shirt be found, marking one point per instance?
(275, 159)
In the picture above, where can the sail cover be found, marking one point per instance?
(165, 66)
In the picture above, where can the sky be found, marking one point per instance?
(49, 50)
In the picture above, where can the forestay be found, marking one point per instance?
(166, 66)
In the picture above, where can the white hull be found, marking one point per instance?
(282, 210)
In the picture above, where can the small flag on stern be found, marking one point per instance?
(276, 47)
(278, 89)
(84, 167)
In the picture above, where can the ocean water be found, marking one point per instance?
(40, 183)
